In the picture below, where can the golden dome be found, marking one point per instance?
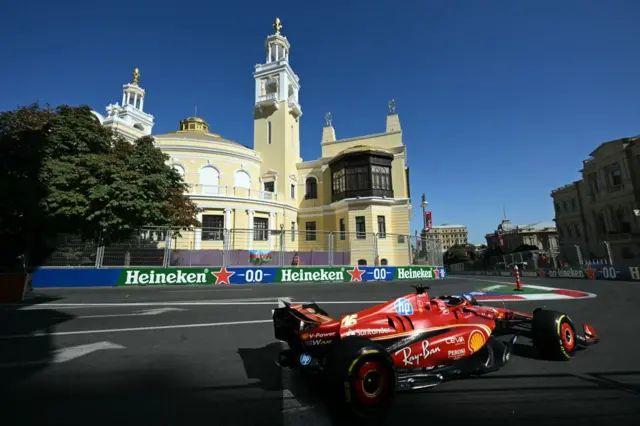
(194, 124)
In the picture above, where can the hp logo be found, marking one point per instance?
(403, 307)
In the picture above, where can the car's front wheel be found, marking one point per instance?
(554, 335)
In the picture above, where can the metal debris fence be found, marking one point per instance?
(533, 259)
(166, 247)
(568, 257)
(426, 252)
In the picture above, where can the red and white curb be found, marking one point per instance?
(553, 294)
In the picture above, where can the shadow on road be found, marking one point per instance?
(162, 393)
(522, 399)
(22, 356)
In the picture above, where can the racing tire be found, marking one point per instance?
(554, 335)
(362, 378)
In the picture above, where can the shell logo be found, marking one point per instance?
(476, 341)
(305, 336)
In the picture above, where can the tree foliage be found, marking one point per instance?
(459, 253)
(63, 172)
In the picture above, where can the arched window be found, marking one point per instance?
(242, 179)
(362, 262)
(209, 180)
(384, 262)
(311, 189)
(178, 168)
(138, 126)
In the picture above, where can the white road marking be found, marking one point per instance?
(494, 281)
(219, 302)
(206, 289)
(282, 300)
(493, 287)
(346, 302)
(67, 354)
(147, 312)
(273, 301)
(122, 330)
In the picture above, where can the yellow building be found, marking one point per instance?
(349, 206)
(446, 235)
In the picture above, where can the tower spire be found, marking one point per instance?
(129, 118)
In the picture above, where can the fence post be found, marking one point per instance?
(99, 254)
(166, 261)
(225, 246)
(330, 242)
(609, 254)
(579, 254)
(281, 251)
(375, 248)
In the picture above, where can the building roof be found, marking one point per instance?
(537, 226)
(507, 226)
(197, 136)
(447, 225)
(199, 131)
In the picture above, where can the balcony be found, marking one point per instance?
(294, 107)
(623, 237)
(204, 191)
(270, 100)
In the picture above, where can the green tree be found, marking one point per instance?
(459, 253)
(67, 174)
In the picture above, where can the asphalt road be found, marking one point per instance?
(177, 355)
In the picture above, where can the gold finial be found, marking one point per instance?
(136, 76)
(277, 25)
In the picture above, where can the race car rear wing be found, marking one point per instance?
(287, 320)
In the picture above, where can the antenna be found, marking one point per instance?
(504, 212)
(196, 111)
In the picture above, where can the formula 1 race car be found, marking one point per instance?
(414, 342)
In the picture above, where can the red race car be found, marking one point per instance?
(415, 342)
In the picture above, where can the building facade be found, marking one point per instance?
(597, 216)
(352, 203)
(509, 236)
(445, 236)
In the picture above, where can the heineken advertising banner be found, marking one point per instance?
(590, 272)
(231, 275)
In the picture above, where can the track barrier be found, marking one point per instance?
(215, 275)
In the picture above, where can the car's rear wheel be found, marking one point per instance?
(361, 376)
(554, 334)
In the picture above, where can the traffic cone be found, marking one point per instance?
(518, 285)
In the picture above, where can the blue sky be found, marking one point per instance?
(500, 100)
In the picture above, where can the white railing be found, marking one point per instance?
(268, 97)
(232, 191)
